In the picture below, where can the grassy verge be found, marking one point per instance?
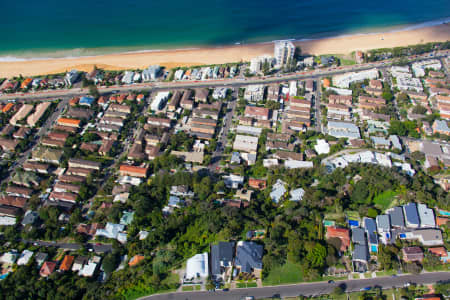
(287, 273)
(386, 273)
(243, 285)
(189, 288)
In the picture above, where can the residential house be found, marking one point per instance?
(371, 230)
(278, 191)
(426, 216)
(134, 171)
(221, 260)
(69, 122)
(135, 260)
(113, 231)
(411, 215)
(245, 143)
(25, 257)
(412, 254)
(66, 263)
(297, 194)
(397, 218)
(47, 269)
(384, 228)
(79, 263)
(343, 234)
(441, 127)
(360, 258)
(71, 77)
(30, 217)
(197, 266)
(427, 237)
(249, 258)
(88, 269)
(40, 258)
(259, 184)
(233, 181)
(260, 113)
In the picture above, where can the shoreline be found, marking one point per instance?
(140, 59)
(46, 55)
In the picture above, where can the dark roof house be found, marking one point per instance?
(249, 257)
(221, 257)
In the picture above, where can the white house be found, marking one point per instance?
(151, 73)
(322, 147)
(197, 266)
(25, 257)
(159, 101)
(179, 74)
(128, 77)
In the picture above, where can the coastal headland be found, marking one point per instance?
(226, 54)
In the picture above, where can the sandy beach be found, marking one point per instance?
(235, 53)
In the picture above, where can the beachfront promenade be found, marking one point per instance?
(234, 82)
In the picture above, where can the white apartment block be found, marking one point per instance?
(419, 67)
(254, 93)
(283, 52)
(257, 63)
(344, 80)
(407, 83)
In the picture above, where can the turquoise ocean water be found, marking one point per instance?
(49, 28)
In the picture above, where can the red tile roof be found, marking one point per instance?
(439, 251)
(135, 260)
(67, 263)
(47, 268)
(341, 233)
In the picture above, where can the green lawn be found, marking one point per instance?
(243, 285)
(288, 273)
(386, 273)
(347, 62)
(172, 278)
(190, 288)
(385, 200)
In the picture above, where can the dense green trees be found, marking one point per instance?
(294, 231)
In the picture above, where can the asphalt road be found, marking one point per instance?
(98, 248)
(223, 139)
(209, 83)
(307, 289)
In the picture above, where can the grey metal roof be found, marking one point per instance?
(395, 142)
(222, 252)
(41, 256)
(343, 126)
(249, 256)
(30, 217)
(380, 141)
(358, 236)
(411, 215)
(344, 134)
(441, 126)
(371, 228)
(383, 222)
(397, 218)
(361, 253)
(431, 149)
(235, 158)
